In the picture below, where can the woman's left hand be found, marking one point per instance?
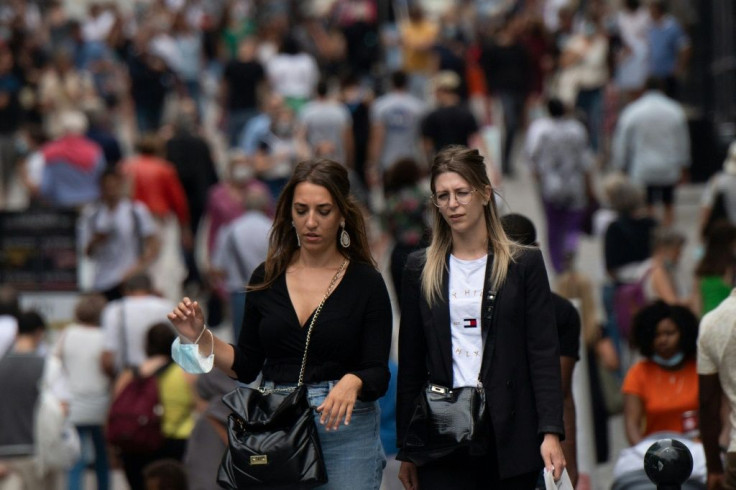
(554, 459)
(340, 402)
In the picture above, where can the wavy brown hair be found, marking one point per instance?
(283, 242)
(469, 164)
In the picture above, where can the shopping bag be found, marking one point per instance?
(563, 483)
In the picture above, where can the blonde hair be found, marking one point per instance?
(469, 164)
(573, 285)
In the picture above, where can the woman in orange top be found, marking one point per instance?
(660, 390)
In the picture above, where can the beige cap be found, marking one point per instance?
(73, 122)
(448, 80)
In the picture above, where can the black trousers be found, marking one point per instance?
(135, 464)
(461, 471)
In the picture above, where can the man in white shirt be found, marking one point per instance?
(716, 375)
(557, 148)
(125, 324)
(241, 247)
(293, 73)
(652, 144)
(119, 235)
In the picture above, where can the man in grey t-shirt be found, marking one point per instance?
(21, 371)
(240, 247)
(395, 121)
(326, 127)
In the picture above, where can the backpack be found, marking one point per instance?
(627, 301)
(135, 417)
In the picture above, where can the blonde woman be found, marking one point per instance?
(444, 317)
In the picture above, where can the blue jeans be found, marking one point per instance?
(512, 104)
(275, 186)
(91, 434)
(149, 117)
(353, 453)
(194, 91)
(236, 122)
(590, 101)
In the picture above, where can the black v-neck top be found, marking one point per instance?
(352, 334)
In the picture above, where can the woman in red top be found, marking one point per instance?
(661, 391)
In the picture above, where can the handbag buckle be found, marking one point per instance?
(259, 459)
(438, 389)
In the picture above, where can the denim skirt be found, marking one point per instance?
(353, 453)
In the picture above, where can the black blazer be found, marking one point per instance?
(521, 361)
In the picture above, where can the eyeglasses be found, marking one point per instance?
(462, 196)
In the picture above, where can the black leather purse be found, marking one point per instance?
(272, 438)
(446, 420)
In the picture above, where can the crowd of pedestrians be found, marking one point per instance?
(174, 129)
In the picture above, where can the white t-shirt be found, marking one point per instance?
(293, 75)
(138, 313)
(717, 352)
(80, 350)
(8, 331)
(466, 294)
(120, 251)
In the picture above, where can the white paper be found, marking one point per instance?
(563, 483)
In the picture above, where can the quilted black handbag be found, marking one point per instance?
(272, 437)
(446, 420)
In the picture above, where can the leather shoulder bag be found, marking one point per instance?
(272, 437)
(446, 420)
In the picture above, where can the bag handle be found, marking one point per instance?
(125, 363)
(314, 319)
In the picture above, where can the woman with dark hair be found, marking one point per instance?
(405, 214)
(474, 282)
(714, 274)
(318, 249)
(661, 390)
(176, 395)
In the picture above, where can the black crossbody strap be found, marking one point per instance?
(485, 333)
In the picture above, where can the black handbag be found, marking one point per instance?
(272, 437)
(446, 420)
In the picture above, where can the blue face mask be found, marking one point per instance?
(668, 363)
(188, 357)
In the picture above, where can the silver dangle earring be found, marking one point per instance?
(298, 241)
(344, 236)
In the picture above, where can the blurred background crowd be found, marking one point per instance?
(169, 127)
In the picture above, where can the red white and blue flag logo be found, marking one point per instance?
(470, 323)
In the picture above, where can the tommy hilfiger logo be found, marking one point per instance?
(470, 322)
